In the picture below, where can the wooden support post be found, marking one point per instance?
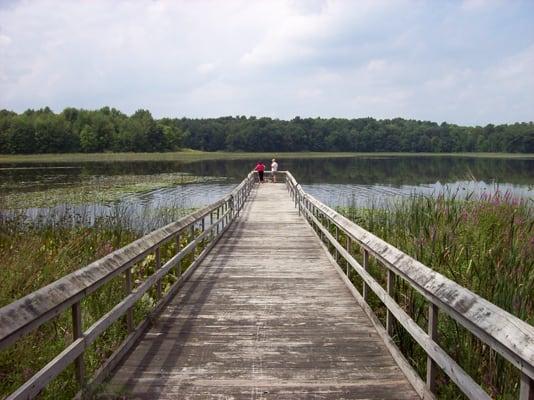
(318, 223)
(128, 290)
(431, 366)
(211, 223)
(390, 289)
(218, 213)
(337, 240)
(157, 253)
(179, 264)
(77, 332)
(321, 220)
(234, 205)
(348, 248)
(365, 288)
(526, 391)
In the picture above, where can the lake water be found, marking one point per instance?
(361, 181)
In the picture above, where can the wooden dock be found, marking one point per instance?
(265, 315)
(256, 306)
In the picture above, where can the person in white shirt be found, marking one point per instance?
(274, 168)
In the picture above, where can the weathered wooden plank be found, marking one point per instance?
(36, 308)
(132, 338)
(412, 376)
(251, 313)
(28, 313)
(508, 335)
(464, 382)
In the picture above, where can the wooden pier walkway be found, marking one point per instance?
(265, 315)
(247, 301)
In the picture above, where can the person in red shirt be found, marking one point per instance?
(260, 167)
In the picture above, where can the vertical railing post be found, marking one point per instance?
(218, 222)
(211, 224)
(431, 366)
(526, 391)
(390, 289)
(337, 240)
(77, 332)
(157, 253)
(348, 245)
(179, 264)
(321, 221)
(128, 290)
(365, 288)
(318, 225)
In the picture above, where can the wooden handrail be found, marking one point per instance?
(36, 308)
(28, 313)
(506, 334)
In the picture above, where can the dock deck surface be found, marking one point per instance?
(264, 316)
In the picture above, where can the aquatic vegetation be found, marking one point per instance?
(94, 189)
(484, 243)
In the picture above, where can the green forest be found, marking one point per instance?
(108, 129)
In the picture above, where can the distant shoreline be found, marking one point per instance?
(193, 155)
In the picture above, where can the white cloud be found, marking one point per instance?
(278, 58)
(206, 68)
(4, 40)
(474, 5)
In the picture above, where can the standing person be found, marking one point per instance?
(274, 168)
(260, 167)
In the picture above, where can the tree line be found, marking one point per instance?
(108, 129)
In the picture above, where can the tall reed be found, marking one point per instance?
(37, 251)
(485, 244)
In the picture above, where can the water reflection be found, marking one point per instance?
(361, 170)
(337, 181)
(381, 196)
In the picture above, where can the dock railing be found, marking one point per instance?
(501, 331)
(202, 228)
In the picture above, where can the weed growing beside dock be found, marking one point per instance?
(34, 253)
(485, 244)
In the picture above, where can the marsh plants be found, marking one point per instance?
(486, 244)
(37, 251)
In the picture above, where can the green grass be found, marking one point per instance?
(194, 155)
(34, 254)
(485, 245)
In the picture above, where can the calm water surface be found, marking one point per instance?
(360, 181)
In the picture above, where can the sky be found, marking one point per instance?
(467, 62)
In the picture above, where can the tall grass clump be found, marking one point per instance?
(483, 243)
(37, 251)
